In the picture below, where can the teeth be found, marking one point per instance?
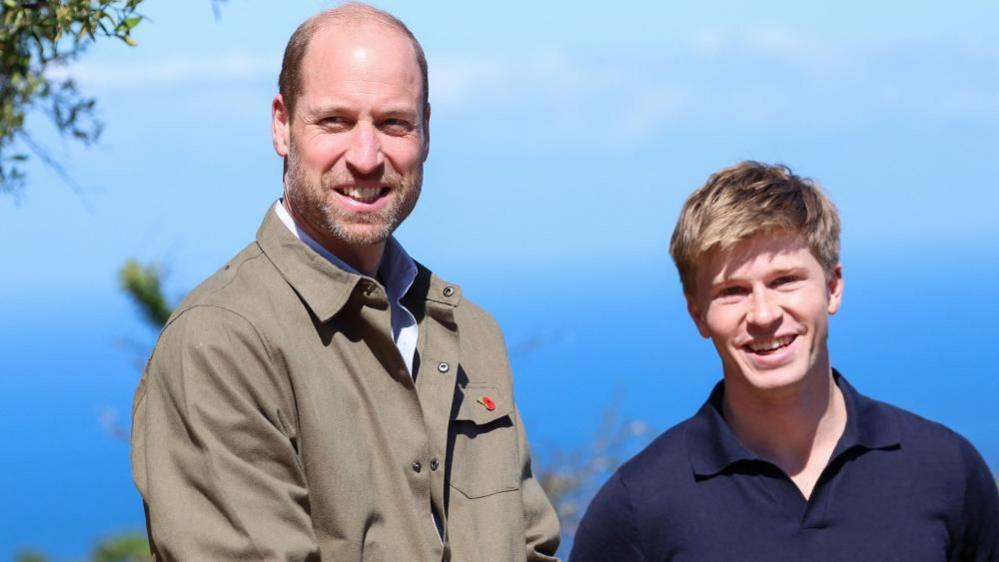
(363, 194)
(770, 345)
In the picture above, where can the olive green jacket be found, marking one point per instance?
(276, 420)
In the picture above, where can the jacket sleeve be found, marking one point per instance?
(608, 531)
(213, 452)
(980, 521)
(541, 527)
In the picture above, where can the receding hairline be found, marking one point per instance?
(356, 14)
(353, 16)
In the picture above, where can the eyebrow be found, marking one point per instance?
(787, 270)
(776, 273)
(325, 109)
(336, 108)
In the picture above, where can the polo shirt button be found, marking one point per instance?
(434, 464)
(416, 466)
(448, 291)
(443, 366)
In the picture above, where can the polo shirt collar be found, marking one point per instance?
(869, 423)
(712, 446)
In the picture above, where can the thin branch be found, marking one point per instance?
(58, 168)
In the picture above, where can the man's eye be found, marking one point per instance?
(732, 292)
(396, 126)
(334, 122)
(785, 280)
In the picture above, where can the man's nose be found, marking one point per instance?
(763, 309)
(365, 154)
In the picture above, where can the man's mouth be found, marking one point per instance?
(766, 347)
(362, 194)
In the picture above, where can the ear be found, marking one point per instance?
(695, 315)
(835, 288)
(280, 127)
(426, 131)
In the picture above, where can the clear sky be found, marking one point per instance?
(565, 137)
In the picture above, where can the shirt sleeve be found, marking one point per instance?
(541, 527)
(212, 453)
(979, 541)
(607, 532)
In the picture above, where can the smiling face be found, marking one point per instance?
(765, 304)
(356, 143)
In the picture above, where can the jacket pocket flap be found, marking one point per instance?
(484, 403)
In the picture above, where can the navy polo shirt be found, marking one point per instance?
(897, 488)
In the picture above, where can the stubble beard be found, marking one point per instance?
(310, 201)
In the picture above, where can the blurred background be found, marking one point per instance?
(565, 138)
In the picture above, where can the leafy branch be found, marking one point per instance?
(36, 36)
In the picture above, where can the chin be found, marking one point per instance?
(773, 380)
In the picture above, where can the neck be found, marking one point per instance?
(365, 258)
(796, 429)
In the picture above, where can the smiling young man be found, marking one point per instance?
(786, 460)
(323, 396)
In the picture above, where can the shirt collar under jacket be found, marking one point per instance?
(713, 446)
(324, 287)
(397, 270)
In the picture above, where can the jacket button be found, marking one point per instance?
(416, 466)
(448, 291)
(443, 366)
(434, 464)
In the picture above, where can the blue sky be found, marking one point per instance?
(565, 137)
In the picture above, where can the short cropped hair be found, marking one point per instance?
(749, 198)
(354, 13)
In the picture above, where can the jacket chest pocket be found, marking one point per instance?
(485, 455)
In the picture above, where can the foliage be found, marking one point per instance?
(571, 478)
(128, 547)
(37, 36)
(143, 284)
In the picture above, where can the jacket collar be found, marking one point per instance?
(712, 446)
(326, 288)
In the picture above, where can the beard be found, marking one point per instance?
(315, 203)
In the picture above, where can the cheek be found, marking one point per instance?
(319, 151)
(720, 322)
(405, 153)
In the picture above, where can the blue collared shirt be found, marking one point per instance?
(897, 487)
(397, 271)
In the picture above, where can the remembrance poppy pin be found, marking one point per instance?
(487, 402)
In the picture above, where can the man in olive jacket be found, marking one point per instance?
(323, 396)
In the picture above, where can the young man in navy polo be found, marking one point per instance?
(786, 460)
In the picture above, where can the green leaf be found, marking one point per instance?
(129, 23)
(127, 39)
(10, 3)
(143, 284)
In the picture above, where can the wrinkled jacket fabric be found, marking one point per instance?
(276, 420)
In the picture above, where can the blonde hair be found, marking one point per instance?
(749, 198)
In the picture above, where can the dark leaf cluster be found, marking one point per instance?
(36, 37)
